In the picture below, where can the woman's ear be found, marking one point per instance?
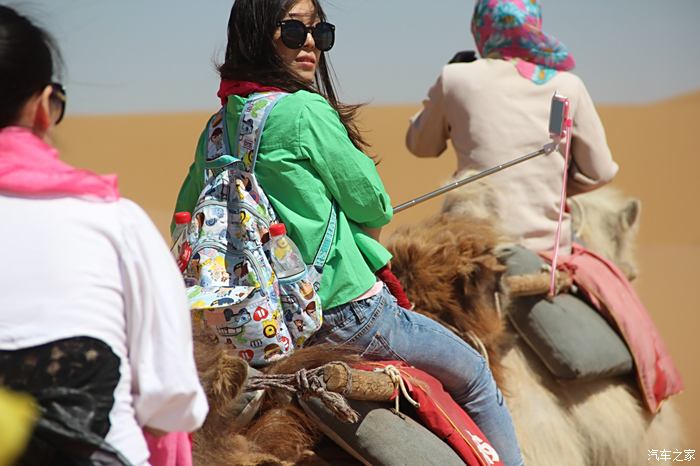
(42, 115)
(36, 113)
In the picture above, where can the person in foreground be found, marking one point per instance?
(496, 108)
(94, 323)
(310, 156)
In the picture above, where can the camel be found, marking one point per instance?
(451, 271)
(582, 423)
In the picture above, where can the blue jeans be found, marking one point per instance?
(380, 329)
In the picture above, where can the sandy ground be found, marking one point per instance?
(653, 144)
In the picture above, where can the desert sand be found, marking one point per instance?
(654, 145)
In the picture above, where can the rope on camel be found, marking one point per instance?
(310, 383)
(399, 384)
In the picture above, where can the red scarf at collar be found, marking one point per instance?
(30, 167)
(241, 88)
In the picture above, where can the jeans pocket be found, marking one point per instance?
(380, 349)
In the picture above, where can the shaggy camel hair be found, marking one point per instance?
(280, 435)
(448, 265)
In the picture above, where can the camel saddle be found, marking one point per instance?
(570, 337)
(608, 290)
(446, 434)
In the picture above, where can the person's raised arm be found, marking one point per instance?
(428, 130)
(349, 175)
(165, 386)
(592, 165)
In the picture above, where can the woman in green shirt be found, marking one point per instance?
(310, 155)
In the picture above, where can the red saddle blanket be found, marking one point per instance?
(608, 290)
(442, 415)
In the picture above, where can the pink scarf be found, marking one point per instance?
(30, 167)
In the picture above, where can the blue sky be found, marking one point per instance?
(158, 55)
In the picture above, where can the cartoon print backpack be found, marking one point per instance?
(235, 290)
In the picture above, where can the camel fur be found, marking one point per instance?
(423, 252)
(281, 434)
(607, 222)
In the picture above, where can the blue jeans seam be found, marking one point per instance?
(368, 322)
(387, 347)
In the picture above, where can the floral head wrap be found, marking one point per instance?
(512, 30)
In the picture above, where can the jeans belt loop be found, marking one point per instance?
(356, 310)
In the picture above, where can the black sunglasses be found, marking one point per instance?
(58, 101)
(294, 34)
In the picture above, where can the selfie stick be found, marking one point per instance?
(548, 148)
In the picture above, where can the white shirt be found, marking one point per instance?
(73, 267)
(493, 115)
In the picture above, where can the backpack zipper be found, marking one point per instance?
(243, 206)
(249, 255)
(209, 202)
(255, 214)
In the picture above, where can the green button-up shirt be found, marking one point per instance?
(306, 160)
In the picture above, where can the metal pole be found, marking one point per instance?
(545, 150)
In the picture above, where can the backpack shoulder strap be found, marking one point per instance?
(249, 132)
(218, 152)
(250, 126)
(325, 247)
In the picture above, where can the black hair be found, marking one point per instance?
(29, 59)
(251, 56)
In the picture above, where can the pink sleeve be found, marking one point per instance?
(173, 449)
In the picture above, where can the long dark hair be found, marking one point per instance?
(251, 56)
(29, 59)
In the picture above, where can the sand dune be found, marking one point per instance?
(654, 145)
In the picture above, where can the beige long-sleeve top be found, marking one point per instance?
(492, 115)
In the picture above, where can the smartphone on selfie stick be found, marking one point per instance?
(559, 117)
(559, 123)
(560, 131)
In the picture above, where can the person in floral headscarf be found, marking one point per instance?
(496, 108)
